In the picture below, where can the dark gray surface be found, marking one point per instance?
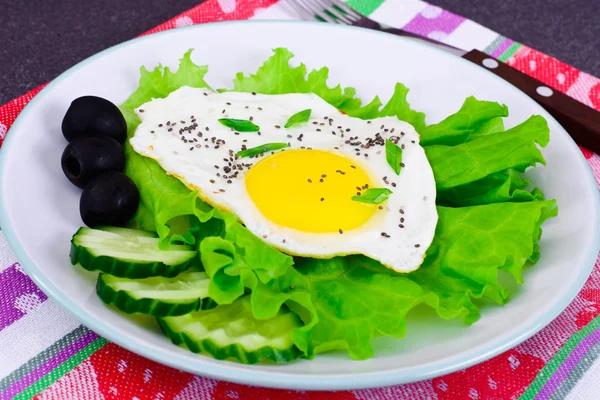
(39, 39)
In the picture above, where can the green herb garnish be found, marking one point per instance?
(373, 196)
(393, 155)
(298, 118)
(240, 125)
(261, 149)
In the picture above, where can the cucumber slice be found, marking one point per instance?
(231, 332)
(157, 296)
(127, 231)
(129, 253)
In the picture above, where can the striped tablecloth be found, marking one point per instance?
(46, 354)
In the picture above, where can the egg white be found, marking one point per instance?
(196, 165)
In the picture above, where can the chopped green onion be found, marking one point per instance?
(254, 151)
(373, 196)
(393, 155)
(298, 118)
(240, 125)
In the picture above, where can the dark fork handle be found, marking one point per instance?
(582, 122)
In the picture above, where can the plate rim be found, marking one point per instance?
(281, 380)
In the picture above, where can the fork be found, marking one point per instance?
(580, 121)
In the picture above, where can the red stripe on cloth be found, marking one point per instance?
(215, 11)
(558, 75)
(549, 70)
(226, 390)
(594, 95)
(503, 377)
(121, 374)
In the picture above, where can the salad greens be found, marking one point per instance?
(357, 298)
(461, 127)
(465, 163)
(507, 185)
(488, 220)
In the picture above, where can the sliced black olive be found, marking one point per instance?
(88, 157)
(94, 116)
(110, 199)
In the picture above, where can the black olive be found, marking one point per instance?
(110, 199)
(94, 116)
(88, 157)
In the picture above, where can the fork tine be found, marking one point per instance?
(353, 15)
(323, 10)
(309, 11)
(329, 8)
(300, 9)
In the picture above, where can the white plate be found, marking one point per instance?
(39, 207)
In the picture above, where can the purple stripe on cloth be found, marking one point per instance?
(18, 295)
(49, 365)
(502, 48)
(570, 362)
(434, 22)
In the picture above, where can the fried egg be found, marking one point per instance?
(300, 199)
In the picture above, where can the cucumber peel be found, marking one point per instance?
(129, 253)
(156, 296)
(231, 332)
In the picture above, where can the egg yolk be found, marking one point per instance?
(310, 190)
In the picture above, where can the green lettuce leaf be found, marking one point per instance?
(494, 125)
(238, 261)
(507, 185)
(369, 111)
(468, 162)
(276, 76)
(356, 298)
(472, 244)
(458, 127)
(398, 107)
